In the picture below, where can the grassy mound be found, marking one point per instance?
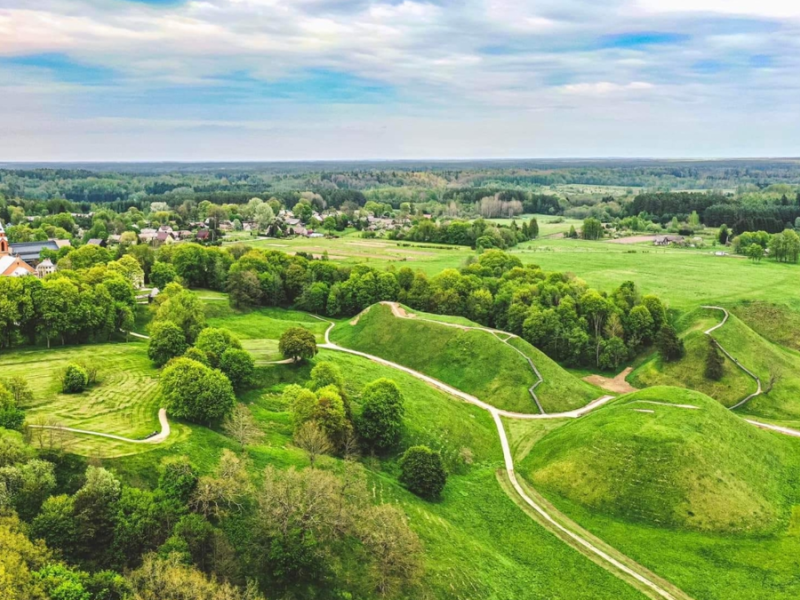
(688, 372)
(473, 361)
(644, 459)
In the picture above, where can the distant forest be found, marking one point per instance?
(744, 194)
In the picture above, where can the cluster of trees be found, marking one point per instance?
(70, 534)
(782, 247)
(69, 306)
(554, 311)
(478, 234)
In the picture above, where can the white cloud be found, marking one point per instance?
(757, 8)
(603, 88)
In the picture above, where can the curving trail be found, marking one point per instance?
(398, 312)
(636, 573)
(735, 361)
(156, 439)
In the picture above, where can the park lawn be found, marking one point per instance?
(123, 402)
(478, 543)
(751, 466)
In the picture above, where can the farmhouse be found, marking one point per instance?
(666, 240)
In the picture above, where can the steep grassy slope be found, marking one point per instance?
(689, 371)
(646, 459)
(476, 362)
(708, 565)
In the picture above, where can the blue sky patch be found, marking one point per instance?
(641, 39)
(62, 68)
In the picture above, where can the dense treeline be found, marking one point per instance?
(476, 234)
(554, 311)
(716, 210)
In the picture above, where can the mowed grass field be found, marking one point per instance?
(685, 278)
(260, 329)
(696, 495)
(124, 401)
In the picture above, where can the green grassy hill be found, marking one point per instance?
(688, 372)
(644, 459)
(478, 543)
(766, 359)
(475, 362)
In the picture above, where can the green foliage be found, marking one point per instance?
(298, 343)
(214, 342)
(381, 423)
(326, 373)
(162, 274)
(11, 416)
(614, 353)
(669, 344)
(714, 362)
(592, 229)
(184, 309)
(74, 379)
(422, 472)
(167, 341)
(178, 478)
(238, 367)
(195, 392)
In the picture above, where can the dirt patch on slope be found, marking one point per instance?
(613, 384)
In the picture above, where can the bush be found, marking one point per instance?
(11, 417)
(167, 341)
(198, 355)
(381, 422)
(298, 343)
(178, 478)
(195, 392)
(422, 472)
(74, 379)
(214, 342)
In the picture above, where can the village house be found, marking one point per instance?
(666, 240)
(11, 265)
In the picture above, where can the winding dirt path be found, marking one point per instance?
(609, 562)
(399, 312)
(735, 361)
(156, 439)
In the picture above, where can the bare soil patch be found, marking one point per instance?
(634, 239)
(613, 384)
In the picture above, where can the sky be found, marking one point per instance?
(271, 80)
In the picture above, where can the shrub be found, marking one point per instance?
(74, 379)
(669, 344)
(238, 366)
(195, 392)
(11, 417)
(714, 362)
(214, 342)
(422, 472)
(178, 478)
(198, 355)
